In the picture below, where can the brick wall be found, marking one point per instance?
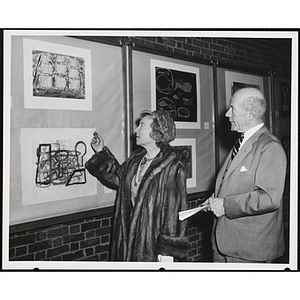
(88, 239)
(199, 233)
(261, 55)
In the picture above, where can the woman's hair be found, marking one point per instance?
(163, 126)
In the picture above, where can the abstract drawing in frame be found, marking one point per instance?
(176, 88)
(56, 76)
(186, 151)
(285, 99)
(235, 81)
(53, 164)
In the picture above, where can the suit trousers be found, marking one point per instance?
(220, 258)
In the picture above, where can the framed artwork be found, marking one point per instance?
(176, 88)
(285, 99)
(56, 76)
(186, 151)
(53, 164)
(235, 81)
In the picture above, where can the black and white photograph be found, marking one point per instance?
(111, 135)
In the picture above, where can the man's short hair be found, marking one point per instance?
(257, 104)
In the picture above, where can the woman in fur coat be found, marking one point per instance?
(151, 190)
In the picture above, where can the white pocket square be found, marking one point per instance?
(243, 169)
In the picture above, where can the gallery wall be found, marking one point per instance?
(107, 115)
(204, 134)
(105, 76)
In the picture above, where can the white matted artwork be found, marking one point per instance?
(236, 80)
(53, 164)
(56, 76)
(186, 151)
(176, 88)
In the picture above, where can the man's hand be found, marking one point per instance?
(207, 203)
(217, 206)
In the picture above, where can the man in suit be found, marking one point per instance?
(248, 195)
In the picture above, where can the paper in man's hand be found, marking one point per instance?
(190, 212)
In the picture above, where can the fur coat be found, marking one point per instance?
(151, 226)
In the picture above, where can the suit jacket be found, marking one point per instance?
(151, 226)
(252, 188)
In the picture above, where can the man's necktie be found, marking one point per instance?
(236, 146)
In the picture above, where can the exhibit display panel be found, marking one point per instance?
(62, 90)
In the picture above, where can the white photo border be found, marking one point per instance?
(190, 266)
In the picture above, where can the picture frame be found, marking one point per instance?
(285, 99)
(237, 80)
(186, 151)
(53, 164)
(176, 88)
(56, 76)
